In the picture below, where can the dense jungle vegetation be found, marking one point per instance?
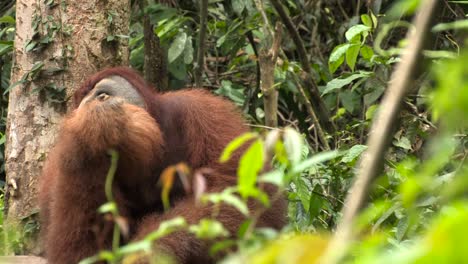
(333, 64)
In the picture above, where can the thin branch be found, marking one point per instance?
(317, 102)
(198, 69)
(248, 105)
(320, 133)
(381, 133)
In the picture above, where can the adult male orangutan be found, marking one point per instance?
(116, 109)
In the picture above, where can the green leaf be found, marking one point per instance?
(389, 212)
(314, 160)
(275, 177)
(371, 111)
(7, 19)
(303, 192)
(223, 245)
(315, 203)
(350, 100)
(356, 31)
(167, 227)
(293, 143)
(7, 42)
(367, 52)
(178, 69)
(4, 49)
(109, 207)
(236, 202)
(402, 8)
(337, 83)
(238, 6)
(31, 45)
(142, 245)
(188, 52)
(375, 22)
(229, 33)
(177, 47)
(209, 229)
(460, 24)
(337, 56)
(352, 54)
(235, 144)
(353, 153)
(371, 97)
(402, 228)
(232, 91)
(243, 228)
(227, 196)
(13, 85)
(37, 66)
(403, 143)
(250, 165)
(366, 20)
(440, 54)
(168, 26)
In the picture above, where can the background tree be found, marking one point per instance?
(57, 45)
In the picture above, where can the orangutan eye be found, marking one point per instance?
(102, 96)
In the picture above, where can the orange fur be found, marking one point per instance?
(190, 126)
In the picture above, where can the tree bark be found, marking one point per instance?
(198, 69)
(267, 60)
(155, 68)
(83, 38)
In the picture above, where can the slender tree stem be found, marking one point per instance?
(110, 197)
(198, 69)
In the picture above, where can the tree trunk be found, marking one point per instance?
(155, 65)
(57, 45)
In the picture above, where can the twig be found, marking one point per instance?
(315, 120)
(381, 132)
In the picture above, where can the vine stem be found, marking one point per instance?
(114, 155)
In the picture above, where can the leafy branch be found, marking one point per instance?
(381, 132)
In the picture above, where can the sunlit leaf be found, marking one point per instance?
(353, 153)
(356, 30)
(7, 19)
(250, 165)
(366, 52)
(340, 82)
(293, 143)
(337, 56)
(177, 47)
(351, 55)
(209, 229)
(235, 144)
(109, 207)
(366, 20)
(316, 159)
